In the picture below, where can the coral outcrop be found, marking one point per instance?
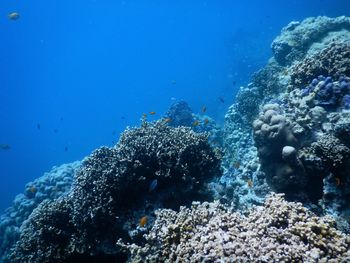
(307, 79)
(111, 184)
(279, 231)
(334, 60)
(49, 187)
(180, 114)
(297, 38)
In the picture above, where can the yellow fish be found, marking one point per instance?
(143, 221)
(13, 16)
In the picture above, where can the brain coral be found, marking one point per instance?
(279, 231)
(112, 182)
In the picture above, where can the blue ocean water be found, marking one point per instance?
(74, 74)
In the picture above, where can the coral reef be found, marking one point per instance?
(303, 145)
(297, 37)
(279, 231)
(332, 61)
(318, 105)
(288, 131)
(180, 114)
(111, 183)
(275, 141)
(50, 186)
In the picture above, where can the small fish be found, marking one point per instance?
(123, 117)
(195, 123)
(61, 119)
(32, 189)
(233, 82)
(66, 148)
(221, 99)
(338, 181)
(143, 221)
(152, 113)
(173, 82)
(5, 147)
(13, 15)
(204, 109)
(206, 121)
(38, 126)
(152, 185)
(250, 183)
(167, 120)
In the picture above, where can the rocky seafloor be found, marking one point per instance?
(272, 185)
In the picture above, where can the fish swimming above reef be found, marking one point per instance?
(195, 123)
(204, 109)
(221, 99)
(5, 147)
(13, 15)
(153, 185)
(152, 113)
(143, 221)
(38, 126)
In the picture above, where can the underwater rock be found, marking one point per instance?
(279, 231)
(111, 183)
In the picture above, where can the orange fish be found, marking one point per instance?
(13, 16)
(204, 109)
(143, 221)
(152, 112)
(206, 121)
(195, 123)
